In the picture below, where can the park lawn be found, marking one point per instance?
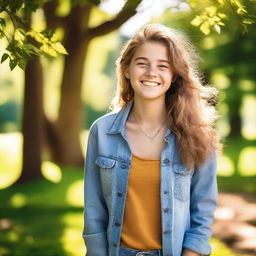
(41, 219)
(45, 217)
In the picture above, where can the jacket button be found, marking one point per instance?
(166, 210)
(119, 194)
(166, 161)
(123, 166)
(166, 232)
(166, 192)
(117, 224)
(115, 245)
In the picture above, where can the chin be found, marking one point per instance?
(151, 97)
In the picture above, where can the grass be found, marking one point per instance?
(40, 218)
(45, 218)
(237, 184)
(42, 222)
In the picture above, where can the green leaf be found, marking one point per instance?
(13, 64)
(58, 47)
(22, 64)
(4, 57)
(220, 2)
(196, 21)
(211, 10)
(248, 21)
(221, 23)
(241, 10)
(48, 50)
(48, 33)
(1, 34)
(2, 22)
(205, 28)
(222, 15)
(30, 49)
(217, 28)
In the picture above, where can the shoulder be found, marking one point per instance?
(103, 123)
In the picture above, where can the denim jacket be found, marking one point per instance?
(189, 195)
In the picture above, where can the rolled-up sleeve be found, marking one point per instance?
(95, 210)
(204, 196)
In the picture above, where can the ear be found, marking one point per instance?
(126, 74)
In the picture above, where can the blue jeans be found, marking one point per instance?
(132, 252)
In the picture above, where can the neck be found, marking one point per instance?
(151, 113)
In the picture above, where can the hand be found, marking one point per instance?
(187, 252)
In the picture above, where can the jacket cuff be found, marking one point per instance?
(96, 244)
(197, 243)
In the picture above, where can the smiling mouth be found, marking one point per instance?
(150, 83)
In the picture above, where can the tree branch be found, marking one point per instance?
(52, 20)
(128, 11)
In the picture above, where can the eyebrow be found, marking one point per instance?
(144, 58)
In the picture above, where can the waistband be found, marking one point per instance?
(133, 252)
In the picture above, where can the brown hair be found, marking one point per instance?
(189, 103)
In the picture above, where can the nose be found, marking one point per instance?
(151, 71)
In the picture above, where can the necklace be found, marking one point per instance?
(151, 138)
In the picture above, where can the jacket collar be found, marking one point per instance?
(119, 123)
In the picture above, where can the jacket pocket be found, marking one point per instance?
(106, 167)
(105, 162)
(182, 182)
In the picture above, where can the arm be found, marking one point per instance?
(202, 205)
(95, 210)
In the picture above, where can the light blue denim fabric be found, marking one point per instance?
(188, 198)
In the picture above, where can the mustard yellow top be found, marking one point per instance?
(142, 217)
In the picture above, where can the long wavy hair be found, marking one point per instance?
(190, 104)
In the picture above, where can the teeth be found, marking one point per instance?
(150, 83)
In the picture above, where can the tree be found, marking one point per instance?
(63, 134)
(32, 121)
(66, 147)
(23, 44)
(76, 39)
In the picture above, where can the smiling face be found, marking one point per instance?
(150, 71)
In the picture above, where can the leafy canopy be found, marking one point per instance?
(23, 42)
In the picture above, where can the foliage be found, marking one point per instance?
(213, 14)
(23, 41)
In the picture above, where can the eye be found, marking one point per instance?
(141, 64)
(163, 66)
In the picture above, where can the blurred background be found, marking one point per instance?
(47, 108)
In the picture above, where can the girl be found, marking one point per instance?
(150, 170)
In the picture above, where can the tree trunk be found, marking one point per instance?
(235, 123)
(63, 135)
(234, 98)
(66, 149)
(32, 122)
